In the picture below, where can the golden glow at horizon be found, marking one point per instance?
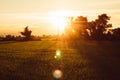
(59, 19)
(35, 13)
(59, 22)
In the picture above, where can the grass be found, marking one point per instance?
(80, 60)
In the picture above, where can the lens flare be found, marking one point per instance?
(58, 54)
(57, 74)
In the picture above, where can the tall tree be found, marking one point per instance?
(27, 33)
(99, 26)
(77, 27)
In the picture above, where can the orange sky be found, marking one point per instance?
(16, 14)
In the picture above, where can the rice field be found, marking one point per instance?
(60, 60)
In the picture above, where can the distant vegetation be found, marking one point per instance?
(99, 29)
(76, 29)
(26, 36)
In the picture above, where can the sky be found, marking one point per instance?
(40, 15)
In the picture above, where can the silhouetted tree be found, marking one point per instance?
(116, 33)
(98, 27)
(8, 38)
(80, 25)
(19, 38)
(27, 33)
(109, 35)
(77, 28)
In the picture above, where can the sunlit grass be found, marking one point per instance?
(34, 60)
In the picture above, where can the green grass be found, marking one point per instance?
(80, 60)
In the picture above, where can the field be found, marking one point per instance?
(79, 60)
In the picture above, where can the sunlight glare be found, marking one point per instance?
(59, 22)
(58, 19)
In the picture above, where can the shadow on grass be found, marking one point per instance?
(103, 57)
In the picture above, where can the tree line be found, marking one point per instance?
(78, 28)
(25, 36)
(98, 29)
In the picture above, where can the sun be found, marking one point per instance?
(58, 19)
(60, 23)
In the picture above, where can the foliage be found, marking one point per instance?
(116, 33)
(77, 28)
(99, 29)
(27, 36)
(27, 33)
